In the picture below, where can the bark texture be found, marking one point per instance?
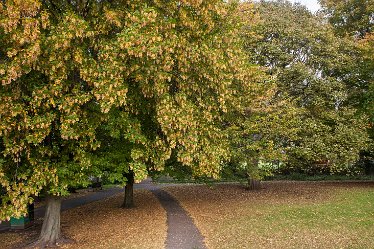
(129, 190)
(253, 184)
(50, 234)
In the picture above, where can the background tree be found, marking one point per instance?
(354, 20)
(312, 67)
(352, 17)
(366, 47)
(260, 130)
(262, 134)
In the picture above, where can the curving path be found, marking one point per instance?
(182, 232)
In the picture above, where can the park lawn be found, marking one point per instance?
(103, 224)
(282, 214)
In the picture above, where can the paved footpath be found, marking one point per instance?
(182, 232)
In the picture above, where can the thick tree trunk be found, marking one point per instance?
(129, 190)
(50, 234)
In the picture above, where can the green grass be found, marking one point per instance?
(346, 221)
(283, 215)
(350, 209)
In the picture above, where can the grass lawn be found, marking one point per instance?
(282, 214)
(103, 224)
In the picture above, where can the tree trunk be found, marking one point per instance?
(129, 190)
(253, 184)
(50, 234)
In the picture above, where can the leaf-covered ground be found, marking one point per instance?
(103, 224)
(282, 214)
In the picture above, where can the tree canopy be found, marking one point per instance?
(312, 67)
(153, 77)
(131, 87)
(353, 17)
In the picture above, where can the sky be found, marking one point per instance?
(312, 5)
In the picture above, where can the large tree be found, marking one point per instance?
(142, 79)
(354, 19)
(49, 112)
(313, 67)
(261, 129)
(186, 83)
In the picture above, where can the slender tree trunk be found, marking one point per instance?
(129, 190)
(50, 234)
(253, 184)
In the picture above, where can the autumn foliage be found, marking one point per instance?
(157, 76)
(126, 88)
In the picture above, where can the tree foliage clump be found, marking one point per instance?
(355, 20)
(313, 70)
(137, 82)
(48, 116)
(351, 17)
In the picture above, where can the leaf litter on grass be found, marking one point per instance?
(282, 214)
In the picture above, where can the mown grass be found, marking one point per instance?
(307, 215)
(318, 225)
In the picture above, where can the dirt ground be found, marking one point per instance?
(103, 224)
(282, 214)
